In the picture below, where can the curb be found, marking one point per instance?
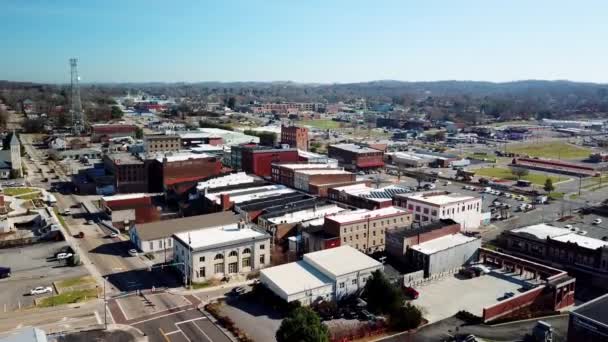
(140, 336)
(527, 320)
(211, 318)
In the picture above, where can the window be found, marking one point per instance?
(354, 282)
(170, 242)
(364, 235)
(247, 262)
(219, 268)
(374, 233)
(434, 212)
(151, 245)
(246, 251)
(160, 244)
(262, 246)
(233, 267)
(418, 208)
(373, 242)
(219, 256)
(262, 259)
(201, 259)
(342, 285)
(394, 220)
(410, 207)
(345, 239)
(357, 236)
(201, 272)
(233, 254)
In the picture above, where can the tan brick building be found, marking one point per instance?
(365, 230)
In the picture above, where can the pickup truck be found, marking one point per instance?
(5, 272)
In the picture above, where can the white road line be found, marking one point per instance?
(173, 332)
(202, 332)
(121, 309)
(185, 336)
(157, 317)
(97, 317)
(191, 320)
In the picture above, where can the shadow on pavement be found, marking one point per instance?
(97, 335)
(253, 306)
(119, 248)
(143, 279)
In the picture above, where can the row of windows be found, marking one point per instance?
(220, 256)
(160, 244)
(353, 282)
(382, 223)
(232, 267)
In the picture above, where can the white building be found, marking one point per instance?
(218, 252)
(433, 206)
(154, 237)
(330, 274)
(301, 216)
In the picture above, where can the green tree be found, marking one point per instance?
(382, 296)
(139, 133)
(231, 103)
(406, 317)
(519, 172)
(116, 112)
(266, 138)
(302, 325)
(62, 120)
(549, 187)
(33, 125)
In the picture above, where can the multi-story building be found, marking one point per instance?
(573, 250)
(365, 230)
(432, 206)
(361, 195)
(355, 157)
(183, 169)
(306, 180)
(130, 174)
(156, 143)
(129, 209)
(295, 137)
(259, 161)
(221, 252)
(589, 321)
(284, 173)
(101, 132)
(399, 240)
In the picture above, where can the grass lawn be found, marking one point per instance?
(556, 195)
(17, 191)
(505, 173)
(482, 156)
(551, 150)
(30, 196)
(75, 281)
(322, 124)
(69, 298)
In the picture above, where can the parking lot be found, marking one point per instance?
(32, 266)
(443, 298)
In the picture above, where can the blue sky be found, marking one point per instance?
(305, 41)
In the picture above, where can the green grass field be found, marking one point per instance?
(69, 298)
(551, 150)
(504, 173)
(76, 281)
(18, 191)
(489, 157)
(322, 124)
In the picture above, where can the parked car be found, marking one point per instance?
(113, 235)
(63, 256)
(411, 292)
(133, 252)
(238, 290)
(67, 212)
(5, 272)
(80, 235)
(41, 290)
(597, 221)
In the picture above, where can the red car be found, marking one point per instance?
(411, 292)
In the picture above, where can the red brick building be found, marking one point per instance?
(398, 240)
(355, 157)
(129, 173)
(102, 132)
(125, 210)
(284, 173)
(295, 137)
(259, 161)
(181, 172)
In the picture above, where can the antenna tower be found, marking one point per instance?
(77, 114)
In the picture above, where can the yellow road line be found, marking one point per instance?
(163, 333)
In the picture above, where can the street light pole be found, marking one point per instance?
(105, 305)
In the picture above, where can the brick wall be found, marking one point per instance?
(434, 234)
(505, 307)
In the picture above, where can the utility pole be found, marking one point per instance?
(105, 305)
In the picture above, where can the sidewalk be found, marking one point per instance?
(229, 285)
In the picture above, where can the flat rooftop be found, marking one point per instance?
(306, 214)
(355, 148)
(166, 228)
(124, 158)
(303, 166)
(231, 179)
(295, 277)
(218, 236)
(340, 260)
(324, 172)
(181, 156)
(126, 196)
(542, 231)
(369, 214)
(581, 240)
(443, 243)
(441, 198)
(596, 309)
(244, 195)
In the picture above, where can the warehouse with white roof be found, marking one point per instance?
(444, 254)
(329, 274)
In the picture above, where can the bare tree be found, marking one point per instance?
(519, 172)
